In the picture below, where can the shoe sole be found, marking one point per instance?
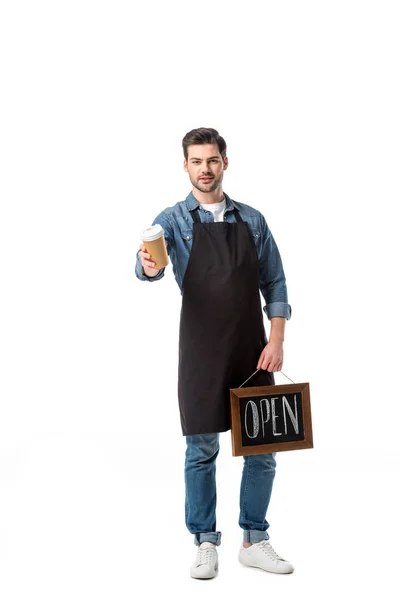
(245, 564)
(209, 577)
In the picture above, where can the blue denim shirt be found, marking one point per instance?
(178, 230)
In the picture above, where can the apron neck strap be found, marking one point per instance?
(237, 215)
(196, 216)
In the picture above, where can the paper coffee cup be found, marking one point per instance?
(154, 242)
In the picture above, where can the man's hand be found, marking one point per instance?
(271, 357)
(147, 263)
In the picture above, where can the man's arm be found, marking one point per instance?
(273, 288)
(277, 333)
(272, 276)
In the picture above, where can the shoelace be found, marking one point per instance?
(204, 556)
(266, 547)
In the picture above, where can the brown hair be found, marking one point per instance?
(203, 135)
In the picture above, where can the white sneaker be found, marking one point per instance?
(206, 564)
(263, 556)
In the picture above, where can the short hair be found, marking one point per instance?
(203, 135)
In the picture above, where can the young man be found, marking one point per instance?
(222, 254)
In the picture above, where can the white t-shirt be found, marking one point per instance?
(218, 209)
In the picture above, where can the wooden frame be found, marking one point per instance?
(238, 449)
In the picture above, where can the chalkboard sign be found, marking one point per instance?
(270, 418)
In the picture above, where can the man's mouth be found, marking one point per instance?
(206, 179)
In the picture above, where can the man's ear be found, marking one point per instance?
(226, 163)
(185, 164)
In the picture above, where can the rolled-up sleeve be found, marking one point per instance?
(162, 220)
(272, 276)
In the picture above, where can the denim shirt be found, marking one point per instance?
(178, 231)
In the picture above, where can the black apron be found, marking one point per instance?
(221, 332)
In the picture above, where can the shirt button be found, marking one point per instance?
(188, 237)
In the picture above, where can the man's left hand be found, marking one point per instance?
(271, 357)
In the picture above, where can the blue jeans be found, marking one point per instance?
(201, 493)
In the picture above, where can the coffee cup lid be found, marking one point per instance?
(152, 233)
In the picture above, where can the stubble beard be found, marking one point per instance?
(207, 187)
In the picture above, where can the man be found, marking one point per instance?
(223, 254)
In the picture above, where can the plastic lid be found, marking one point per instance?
(152, 233)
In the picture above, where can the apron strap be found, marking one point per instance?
(237, 215)
(196, 217)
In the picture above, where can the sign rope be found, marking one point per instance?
(257, 372)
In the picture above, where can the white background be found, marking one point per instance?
(96, 98)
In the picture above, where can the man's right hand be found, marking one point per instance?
(147, 263)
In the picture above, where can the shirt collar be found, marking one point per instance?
(192, 202)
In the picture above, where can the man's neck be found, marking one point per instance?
(209, 197)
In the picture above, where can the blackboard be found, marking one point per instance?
(271, 418)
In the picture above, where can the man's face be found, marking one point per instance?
(205, 166)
